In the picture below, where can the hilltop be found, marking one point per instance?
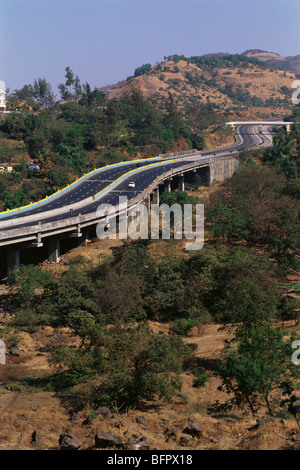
(290, 63)
(233, 85)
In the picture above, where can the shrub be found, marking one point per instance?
(128, 365)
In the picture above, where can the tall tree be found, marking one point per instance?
(42, 93)
(71, 86)
(258, 368)
(70, 79)
(174, 118)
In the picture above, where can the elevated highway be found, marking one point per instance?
(274, 123)
(72, 212)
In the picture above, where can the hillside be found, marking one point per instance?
(75, 331)
(290, 63)
(34, 415)
(230, 84)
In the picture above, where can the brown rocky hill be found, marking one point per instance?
(290, 63)
(251, 91)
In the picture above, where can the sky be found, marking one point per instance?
(104, 41)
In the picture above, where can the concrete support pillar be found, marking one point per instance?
(181, 183)
(147, 203)
(82, 241)
(167, 186)
(13, 259)
(54, 250)
(38, 242)
(211, 172)
(156, 196)
(144, 211)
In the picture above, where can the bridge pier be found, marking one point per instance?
(167, 186)
(212, 172)
(219, 170)
(13, 259)
(54, 250)
(147, 203)
(155, 198)
(82, 241)
(181, 183)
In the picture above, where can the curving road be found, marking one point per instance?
(107, 184)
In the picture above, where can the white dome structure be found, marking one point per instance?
(2, 96)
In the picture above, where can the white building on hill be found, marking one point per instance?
(2, 100)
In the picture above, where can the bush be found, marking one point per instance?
(182, 326)
(128, 365)
(257, 368)
(200, 379)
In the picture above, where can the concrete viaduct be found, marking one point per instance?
(35, 231)
(50, 235)
(275, 123)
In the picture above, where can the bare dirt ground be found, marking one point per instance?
(25, 408)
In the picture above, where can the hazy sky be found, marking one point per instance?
(104, 41)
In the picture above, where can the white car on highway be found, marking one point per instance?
(131, 184)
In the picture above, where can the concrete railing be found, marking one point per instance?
(184, 153)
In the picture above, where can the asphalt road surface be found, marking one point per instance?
(143, 177)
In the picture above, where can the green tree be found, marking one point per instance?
(25, 95)
(284, 155)
(165, 299)
(127, 366)
(286, 246)
(35, 143)
(230, 224)
(144, 120)
(71, 87)
(257, 194)
(118, 297)
(17, 199)
(135, 260)
(256, 369)
(42, 93)
(14, 127)
(31, 287)
(64, 92)
(244, 294)
(74, 293)
(70, 79)
(142, 69)
(174, 118)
